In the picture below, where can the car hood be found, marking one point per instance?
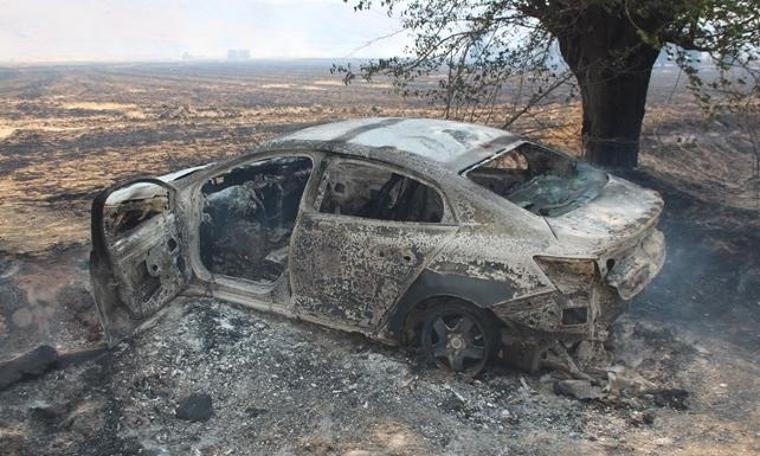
(620, 213)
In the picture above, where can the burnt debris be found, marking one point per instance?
(195, 407)
(27, 366)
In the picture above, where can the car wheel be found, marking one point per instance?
(460, 337)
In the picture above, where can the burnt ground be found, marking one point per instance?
(691, 341)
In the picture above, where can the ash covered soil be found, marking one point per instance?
(283, 387)
(688, 348)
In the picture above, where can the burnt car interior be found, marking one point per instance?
(248, 217)
(374, 192)
(539, 180)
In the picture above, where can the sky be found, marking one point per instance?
(139, 30)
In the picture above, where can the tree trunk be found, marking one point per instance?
(613, 111)
(613, 66)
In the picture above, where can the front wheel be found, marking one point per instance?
(460, 337)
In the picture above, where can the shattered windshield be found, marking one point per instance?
(540, 180)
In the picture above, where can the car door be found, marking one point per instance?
(137, 263)
(369, 232)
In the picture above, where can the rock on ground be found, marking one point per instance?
(28, 365)
(195, 407)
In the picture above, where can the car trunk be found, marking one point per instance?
(618, 226)
(590, 212)
(619, 214)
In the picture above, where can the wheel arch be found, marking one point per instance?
(432, 287)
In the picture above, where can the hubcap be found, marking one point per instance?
(457, 342)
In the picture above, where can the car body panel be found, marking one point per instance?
(622, 210)
(451, 144)
(638, 266)
(138, 272)
(353, 271)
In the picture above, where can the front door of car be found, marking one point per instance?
(369, 233)
(138, 262)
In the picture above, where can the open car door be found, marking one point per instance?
(137, 263)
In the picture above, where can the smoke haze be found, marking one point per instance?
(130, 30)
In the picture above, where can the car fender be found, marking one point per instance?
(430, 283)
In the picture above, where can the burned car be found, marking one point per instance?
(456, 237)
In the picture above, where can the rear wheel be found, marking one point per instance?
(460, 337)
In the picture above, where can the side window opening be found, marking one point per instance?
(504, 174)
(376, 193)
(248, 218)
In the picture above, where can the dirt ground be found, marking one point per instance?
(283, 387)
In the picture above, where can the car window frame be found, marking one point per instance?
(448, 218)
(196, 197)
(489, 196)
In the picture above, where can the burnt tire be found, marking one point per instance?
(460, 337)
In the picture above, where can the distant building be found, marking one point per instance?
(237, 55)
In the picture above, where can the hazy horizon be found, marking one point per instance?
(76, 31)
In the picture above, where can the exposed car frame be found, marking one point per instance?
(486, 274)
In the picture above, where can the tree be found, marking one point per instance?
(609, 46)
(740, 102)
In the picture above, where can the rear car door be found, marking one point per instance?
(137, 263)
(368, 235)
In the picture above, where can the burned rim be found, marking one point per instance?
(460, 338)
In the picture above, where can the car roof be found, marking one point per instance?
(454, 145)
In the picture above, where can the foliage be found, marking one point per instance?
(474, 48)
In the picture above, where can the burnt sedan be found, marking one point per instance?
(457, 237)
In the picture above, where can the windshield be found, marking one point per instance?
(543, 181)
